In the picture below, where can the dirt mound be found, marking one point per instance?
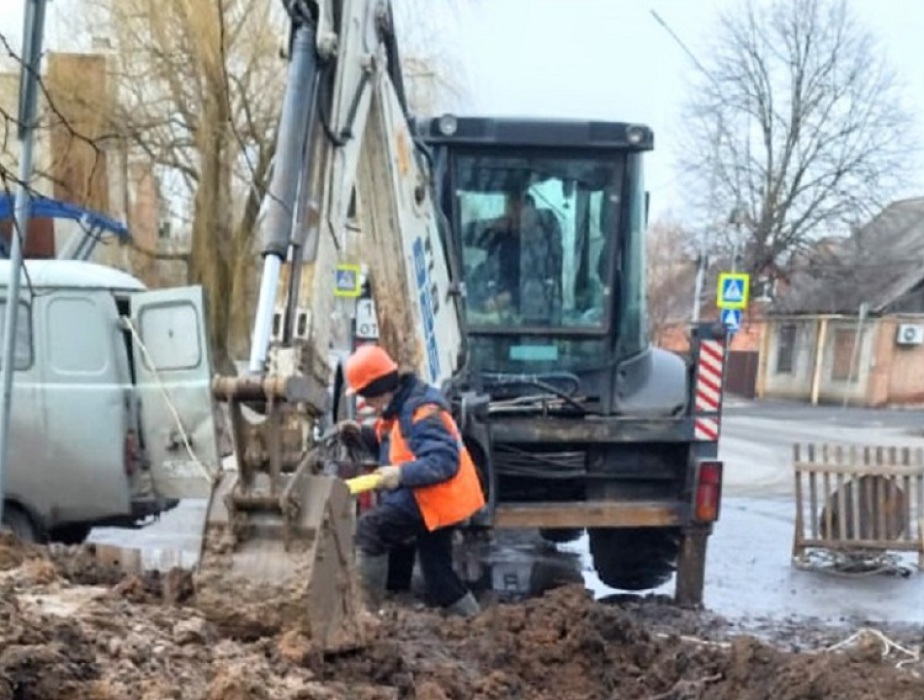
(565, 645)
(107, 637)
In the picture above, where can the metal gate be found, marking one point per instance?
(859, 499)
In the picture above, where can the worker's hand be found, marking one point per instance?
(391, 477)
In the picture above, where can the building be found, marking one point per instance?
(849, 327)
(40, 241)
(77, 159)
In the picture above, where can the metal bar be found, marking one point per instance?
(898, 545)
(859, 469)
(249, 388)
(800, 507)
(813, 492)
(616, 430)
(855, 495)
(33, 29)
(590, 514)
(826, 490)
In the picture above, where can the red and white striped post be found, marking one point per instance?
(709, 383)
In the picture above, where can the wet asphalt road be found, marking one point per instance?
(749, 572)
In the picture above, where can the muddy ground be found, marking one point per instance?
(69, 628)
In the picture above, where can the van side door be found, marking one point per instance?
(83, 385)
(173, 375)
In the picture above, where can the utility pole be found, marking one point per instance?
(33, 29)
(702, 256)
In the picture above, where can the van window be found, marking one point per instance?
(171, 333)
(23, 346)
(79, 336)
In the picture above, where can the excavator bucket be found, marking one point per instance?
(268, 572)
(277, 550)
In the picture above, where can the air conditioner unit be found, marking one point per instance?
(909, 334)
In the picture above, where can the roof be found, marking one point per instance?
(878, 264)
(71, 274)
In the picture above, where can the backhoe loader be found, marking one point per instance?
(574, 421)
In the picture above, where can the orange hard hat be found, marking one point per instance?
(370, 371)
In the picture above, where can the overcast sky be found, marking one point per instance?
(605, 59)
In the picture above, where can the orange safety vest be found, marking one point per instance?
(448, 502)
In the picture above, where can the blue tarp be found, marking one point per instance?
(93, 223)
(44, 207)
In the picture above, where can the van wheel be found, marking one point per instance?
(70, 534)
(20, 523)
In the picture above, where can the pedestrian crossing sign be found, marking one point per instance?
(347, 281)
(733, 290)
(731, 318)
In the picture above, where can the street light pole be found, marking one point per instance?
(28, 97)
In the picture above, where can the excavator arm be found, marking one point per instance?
(348, 178)
(346, 156)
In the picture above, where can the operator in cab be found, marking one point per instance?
(429, 481)
(522, 269)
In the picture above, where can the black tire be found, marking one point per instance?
(560, 535)
(21, 524)
(634, 559)
(70, 534)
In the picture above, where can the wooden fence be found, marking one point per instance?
(855, 499)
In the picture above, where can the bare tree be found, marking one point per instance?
(433, 66)
(670, 272)
(198, 87)
(798, 123)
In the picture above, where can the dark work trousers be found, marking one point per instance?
(388, 529)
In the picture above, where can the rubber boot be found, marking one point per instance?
(466, 606)
(373, 572)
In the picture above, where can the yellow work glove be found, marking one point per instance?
(391, 477)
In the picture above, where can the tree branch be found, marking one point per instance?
(821, 134)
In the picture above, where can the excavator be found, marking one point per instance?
(575, 422)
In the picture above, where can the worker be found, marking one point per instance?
(429, 481)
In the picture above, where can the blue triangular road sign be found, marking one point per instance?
(734, 290)
(731, 318)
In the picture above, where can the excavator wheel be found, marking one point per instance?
(560, 535)
(634, 559)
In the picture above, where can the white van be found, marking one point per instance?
(111, 417)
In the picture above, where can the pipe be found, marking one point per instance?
(283, 190)
(263, 322)
(290, 144)
(33, 29)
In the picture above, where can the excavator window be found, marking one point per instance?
(534, 232)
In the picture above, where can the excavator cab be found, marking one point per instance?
(547, 220)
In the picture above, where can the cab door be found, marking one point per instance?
(173, 373)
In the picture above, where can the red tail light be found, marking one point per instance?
(708, 492)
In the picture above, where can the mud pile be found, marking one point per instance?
(72, 629)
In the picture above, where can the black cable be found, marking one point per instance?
(539, 384)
